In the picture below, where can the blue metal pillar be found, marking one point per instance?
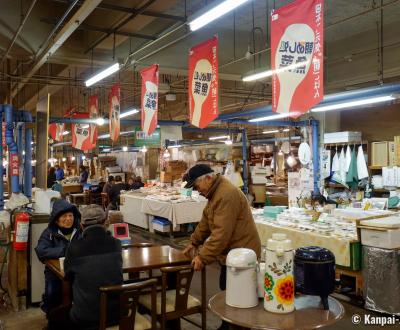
(244, 155)
(315, 146)
(1, 160)
(12, 146)
(28, 156)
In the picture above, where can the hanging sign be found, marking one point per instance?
(142, 139)
(149, 98)
(93, 112)
(14, 165)
(203, 83)
(3, 133)
(114, 98)
(297, 56)
(81, 133)
(56, 131)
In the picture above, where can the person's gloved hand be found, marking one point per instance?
(190, 251)
(197, 263)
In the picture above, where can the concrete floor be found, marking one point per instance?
(34, 319)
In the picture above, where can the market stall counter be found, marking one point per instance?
(167, 203)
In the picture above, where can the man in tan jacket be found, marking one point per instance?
(227, 222)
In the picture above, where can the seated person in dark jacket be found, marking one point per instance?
(84, 176)
(137, 184)
(92, 262)
(63, 228)
(108, 185)
(51, 177)
(115, 191)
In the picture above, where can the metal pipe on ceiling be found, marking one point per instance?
(121, 24)
(87, 27)
(108, 6)
(80, 15)
(21, 26)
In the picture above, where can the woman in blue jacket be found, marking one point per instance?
(64, 227)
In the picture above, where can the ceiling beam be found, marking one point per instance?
(107, 6)
(120, 25)
(87, 27)
(81, 14)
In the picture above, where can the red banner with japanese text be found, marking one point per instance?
(81, 133)
(149, 99)
(203, 83)
(56, 131)
(114, 99)
(93, 113)
(297, 56)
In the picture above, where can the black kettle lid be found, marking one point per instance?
(314, 253)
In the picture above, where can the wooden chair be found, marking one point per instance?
(104, 200)
(129, 296)
(177, 303)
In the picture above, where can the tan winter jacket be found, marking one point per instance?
(227, 222)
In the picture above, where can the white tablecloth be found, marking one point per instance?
(177, 213)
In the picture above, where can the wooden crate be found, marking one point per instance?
(379, 153)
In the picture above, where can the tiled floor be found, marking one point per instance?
(33, 318)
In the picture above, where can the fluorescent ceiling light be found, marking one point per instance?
(268, 73)
(100, 121)
(219, 137)
(85, 126)
(214, 13)
(228, 142)
(175, 146)
(352, 104)
(65, 133)
(106, 136)
(128, 113)
(276, 131)
(103, 74)
(271, 117)
(106, 150)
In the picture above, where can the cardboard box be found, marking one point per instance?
(379, 153)
(165, 177)
(392, 154)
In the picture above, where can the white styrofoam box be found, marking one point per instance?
(385, 239)
(259, 170)
(389, 222)
(342, 137)
(258, 179)
(44, 200)
(160, 227)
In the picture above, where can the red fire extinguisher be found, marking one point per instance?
(21, 231)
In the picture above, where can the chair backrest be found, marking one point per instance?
(184, 275)
(128, 297)
(137, 245)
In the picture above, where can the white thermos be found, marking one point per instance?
(278, 279)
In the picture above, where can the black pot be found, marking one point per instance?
(314, 272)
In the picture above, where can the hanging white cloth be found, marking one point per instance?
(348, 158)
(335, 162)
(342, 165)
(362, 168)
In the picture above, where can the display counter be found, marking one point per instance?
(131, 206)
(71, 188)
(347, 252)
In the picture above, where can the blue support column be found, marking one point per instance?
(244, 155)
(315, 146)
(1, 161)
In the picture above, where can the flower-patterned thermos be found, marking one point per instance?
(279, 281)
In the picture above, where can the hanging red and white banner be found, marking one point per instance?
(203, 83)
(115, 98)
(149, 99)
(56, 131)
(81, 133)
(297, 57)
(93, 113)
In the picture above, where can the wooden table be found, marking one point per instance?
(307, 315)
(136, 259)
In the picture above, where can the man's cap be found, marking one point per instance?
(196, 172)
(92, 215)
